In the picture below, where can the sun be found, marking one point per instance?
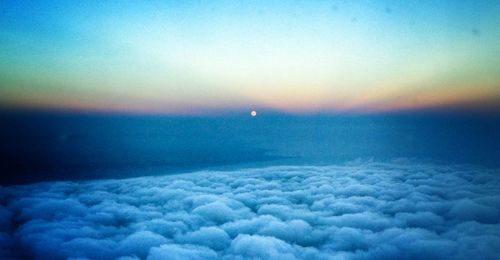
(253, 113)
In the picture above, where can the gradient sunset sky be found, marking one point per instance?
(208, 57)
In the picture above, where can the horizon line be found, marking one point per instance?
(493, 110)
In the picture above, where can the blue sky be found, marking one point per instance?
(191, 57)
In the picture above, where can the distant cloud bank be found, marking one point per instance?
(362, 210)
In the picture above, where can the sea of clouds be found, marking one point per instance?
(360, 210)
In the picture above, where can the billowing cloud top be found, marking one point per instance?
(354, 211)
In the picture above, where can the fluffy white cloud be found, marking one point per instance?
(354, 211)
(181, 252)
(212, 237)
(260, 247)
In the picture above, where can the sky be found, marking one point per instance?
(211, 57)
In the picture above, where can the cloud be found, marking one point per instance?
(360, 210)
(139, 243)
(212, 237)
(181, 252)
(260, 247)
(467, 209)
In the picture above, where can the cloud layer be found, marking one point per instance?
(355, 211)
